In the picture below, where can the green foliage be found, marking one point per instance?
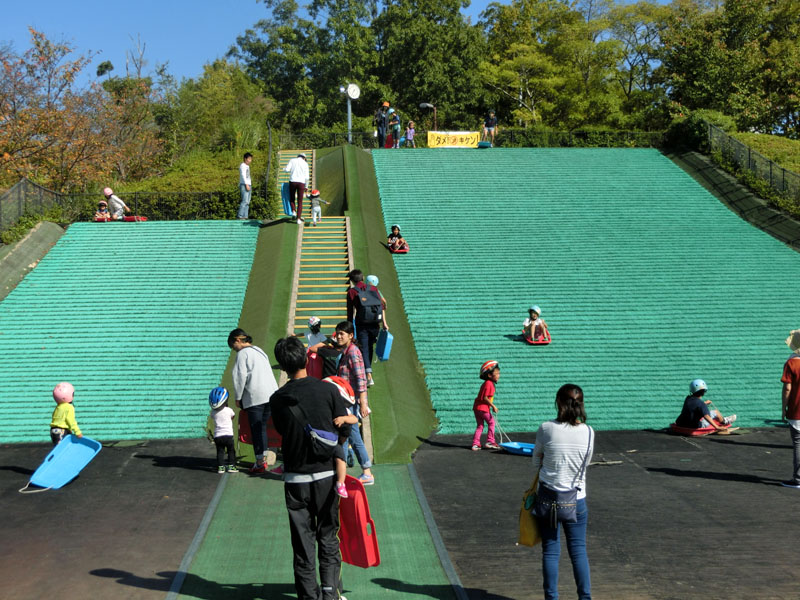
(779, 149)
(759, 186)
(691, 131)
(27, 222)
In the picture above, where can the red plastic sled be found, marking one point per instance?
(401, 251)
(690, 432)
(128, 219)
(274, 439)
(358, 541)
(540, 341)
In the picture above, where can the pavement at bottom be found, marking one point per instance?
(670, 518)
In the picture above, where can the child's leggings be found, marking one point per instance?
(225, 445)
(480, 417)
(316, 213)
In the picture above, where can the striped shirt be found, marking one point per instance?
(559, 454)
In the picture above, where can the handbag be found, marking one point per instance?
(323, 443)
(555, 507)
(528, 527)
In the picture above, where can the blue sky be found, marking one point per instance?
(185, 33)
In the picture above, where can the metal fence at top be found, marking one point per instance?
(781, 180)
(517, 138)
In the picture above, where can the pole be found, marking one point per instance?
(349, 122)
(435, 126)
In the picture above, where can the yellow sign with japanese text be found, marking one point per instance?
(453, 139)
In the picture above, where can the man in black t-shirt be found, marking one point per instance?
(309, 483)
(490, 127)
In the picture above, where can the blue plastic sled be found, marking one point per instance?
(521, 448)
(384, 346)
(287, 206)
(65, 462)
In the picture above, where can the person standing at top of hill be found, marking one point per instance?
(490, 127)
(298, 180)
(379, 120)
(790, 403)
(245, 186)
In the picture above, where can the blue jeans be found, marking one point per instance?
(244, 205)
(576, 545)
(358, 446)
(367, 335)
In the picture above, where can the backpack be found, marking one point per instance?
(369, 307)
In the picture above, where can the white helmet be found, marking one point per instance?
(372, 280)
(697, 385)
(535, 308)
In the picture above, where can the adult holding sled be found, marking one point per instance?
(309, 481)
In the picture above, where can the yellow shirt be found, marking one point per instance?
(64, 417)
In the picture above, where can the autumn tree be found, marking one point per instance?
(52, 132)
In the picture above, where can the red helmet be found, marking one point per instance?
(488, 367)
(345, 391)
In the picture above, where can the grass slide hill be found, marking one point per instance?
(645, 279)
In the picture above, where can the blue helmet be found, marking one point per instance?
(372, 280)
(535, 308)
(218, 397)
(697, 385)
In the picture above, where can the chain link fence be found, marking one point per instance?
(781, 180)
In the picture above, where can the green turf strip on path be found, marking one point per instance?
(645, 279)
(247, 554)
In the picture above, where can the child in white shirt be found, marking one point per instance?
(222, 414)
(534, 328)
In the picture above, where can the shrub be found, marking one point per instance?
(692, 131)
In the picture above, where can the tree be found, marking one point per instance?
(52, 132)
(104, 68)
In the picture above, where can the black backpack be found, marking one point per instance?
(369, 308)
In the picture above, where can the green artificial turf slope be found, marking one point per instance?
(645, 279)
(246, 553)
(402, 413)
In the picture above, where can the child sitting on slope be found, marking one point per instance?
(534, 328)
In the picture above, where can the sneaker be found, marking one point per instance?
(366, 479)
(232, 469)
(492, 446)
(730, 420)
(341, 490)
(791, 484)
(220, 469)
(258, 469)
(277, 470)
(475, 447)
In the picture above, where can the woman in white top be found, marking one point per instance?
(254, 383)
(563, 451)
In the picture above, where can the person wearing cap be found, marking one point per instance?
(245, 186)
(489, 127)
(379, 120)
(298, 180)
(316, 209)
(790, 404)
